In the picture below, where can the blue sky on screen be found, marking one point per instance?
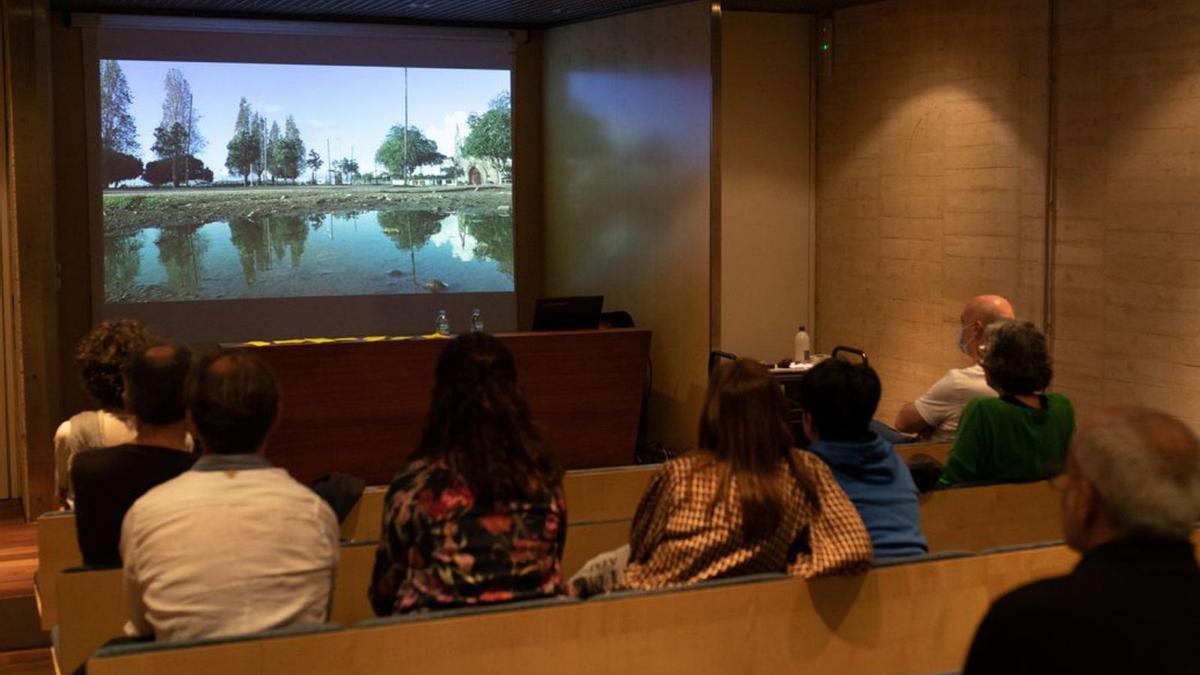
(351, 106)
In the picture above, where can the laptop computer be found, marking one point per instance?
(574, 313)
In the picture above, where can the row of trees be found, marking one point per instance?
(258, 151)
(490, 139)
(177, 137)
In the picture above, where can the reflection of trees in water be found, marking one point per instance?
(256, 239)
(122, 263)
(409, 231)
(180, 250)
(493, 237)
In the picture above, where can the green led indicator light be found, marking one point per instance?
(824, 46)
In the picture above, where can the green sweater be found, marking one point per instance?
(1003, 441)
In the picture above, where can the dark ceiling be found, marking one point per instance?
(504, 13)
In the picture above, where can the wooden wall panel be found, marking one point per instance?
(527, 177)
(628, 121)
(931, 152)
(765, 181)
(73, 205)
(28, 84)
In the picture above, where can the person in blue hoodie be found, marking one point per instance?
(839, 400)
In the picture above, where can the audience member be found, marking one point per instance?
(839, 399)
(234, 545)
(745, 501)
(109, 480)
(100, 356)
(1023, 435)
(479, 516)
(936, 413)
(1131, 499)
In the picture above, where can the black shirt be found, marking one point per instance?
(1130, 606)
(107, 482)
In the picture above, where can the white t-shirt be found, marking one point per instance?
(226, 549)
(89, 430)
(943, 404)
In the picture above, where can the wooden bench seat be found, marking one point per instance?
(91, 603)
(915, 617)
(58, 549)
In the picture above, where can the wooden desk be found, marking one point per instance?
(359, 407)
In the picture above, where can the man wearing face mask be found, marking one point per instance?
(935, 414)
(1130, 503)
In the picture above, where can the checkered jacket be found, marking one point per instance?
(681, 535)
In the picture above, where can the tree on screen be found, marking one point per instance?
(171, 146)
(288, 153)
(274, 136)
(119, 166)
(491, 134)
(347, 168)
(401, 152)
(244, 148)
(258, 129)
(118, 131)
(178, 108)
(162, 171)
(315, 163)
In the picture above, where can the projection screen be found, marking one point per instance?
(270, 180)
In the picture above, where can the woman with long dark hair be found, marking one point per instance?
(479, 515)
(745, 501)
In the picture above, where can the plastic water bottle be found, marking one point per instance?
(442, 326)
(803, 347)
(476, 321)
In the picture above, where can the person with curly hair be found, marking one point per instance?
(1024, 434)
(100, 357)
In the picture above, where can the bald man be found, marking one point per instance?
(1130, 504)
(935, 414)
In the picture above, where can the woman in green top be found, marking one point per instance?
(1023, 434)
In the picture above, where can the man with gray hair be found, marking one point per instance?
(1130, 503)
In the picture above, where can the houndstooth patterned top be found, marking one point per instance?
(681, 536)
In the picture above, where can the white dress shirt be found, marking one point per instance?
(233, 546)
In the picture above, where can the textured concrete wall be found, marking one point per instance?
(1128, 248)
(930, 178)
(931, 149)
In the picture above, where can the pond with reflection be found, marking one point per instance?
(369, 253)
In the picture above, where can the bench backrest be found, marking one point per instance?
(916, 617)
(91, 606)
(91, 611)
(979, 518)
(363, 521)
(58, 549)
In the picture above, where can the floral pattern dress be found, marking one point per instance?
(440, 548)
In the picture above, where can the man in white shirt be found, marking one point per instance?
(935, 414)
(234, 545)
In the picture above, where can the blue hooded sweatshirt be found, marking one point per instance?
(882, 490)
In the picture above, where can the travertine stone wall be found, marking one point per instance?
(931, 164)
(1128, 249)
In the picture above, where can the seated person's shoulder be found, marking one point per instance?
(1037, 599)
(1059, 402)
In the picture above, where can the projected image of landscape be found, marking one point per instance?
(230, 181)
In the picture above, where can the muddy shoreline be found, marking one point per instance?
(128, 210)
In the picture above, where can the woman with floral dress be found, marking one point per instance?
(479, 515)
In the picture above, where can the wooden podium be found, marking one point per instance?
(358, 407)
